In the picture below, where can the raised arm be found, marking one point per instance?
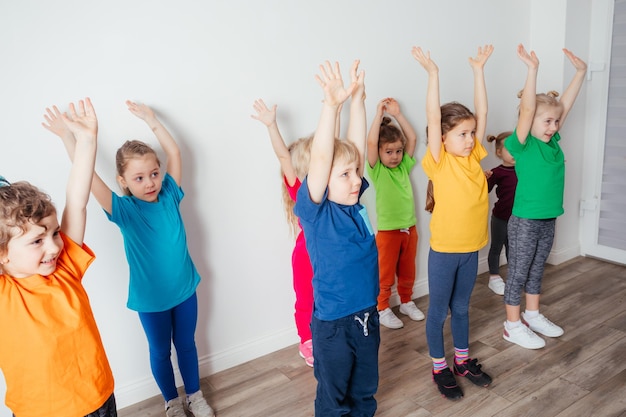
(433, 106)
(268, 118)
(528, 103)
(167, 142)
(393, 108)
(480, 89)
(55, 124)
(357, 125)
(374, 134)
(322, 147)
(83, 125)
(572, 90)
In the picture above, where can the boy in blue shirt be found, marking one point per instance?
(343, 254)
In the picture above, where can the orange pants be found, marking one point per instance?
(396, 257)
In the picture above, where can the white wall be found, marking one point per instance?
(200, 65)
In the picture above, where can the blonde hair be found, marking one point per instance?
(21, 203)
(300, 152)
(129, 150)
(546, 99)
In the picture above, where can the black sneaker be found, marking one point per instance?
(447, 384)
(471, 370)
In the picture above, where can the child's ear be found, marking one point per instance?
(122, 182)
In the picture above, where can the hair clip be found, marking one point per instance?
(4, 182)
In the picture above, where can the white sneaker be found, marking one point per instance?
(174, 408)
(541, 324)
(411, 310)
(497, 285)
(524, 337)
(388, 319)
(198, 406)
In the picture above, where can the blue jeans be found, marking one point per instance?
(346, 364)
(451, 278)
(179, 325)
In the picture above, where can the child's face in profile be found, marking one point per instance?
(35, 250)
(546, 122)
(143, 178)
(391, 154)
(460, 140)
(344, 183)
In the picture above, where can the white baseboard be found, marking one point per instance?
(145, 388)
(142, 389)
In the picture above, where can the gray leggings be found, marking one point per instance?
(530, 242)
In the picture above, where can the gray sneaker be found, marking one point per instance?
(198, 406)
(174, 408)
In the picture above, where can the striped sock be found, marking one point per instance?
(439, 365)
(461, 355)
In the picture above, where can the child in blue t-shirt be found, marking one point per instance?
(163, 278)
(342, 248)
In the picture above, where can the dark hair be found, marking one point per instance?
(499, 139)
(389, 133)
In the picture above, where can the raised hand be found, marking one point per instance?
(424, 59)
(55, 124)
(530, 60)
(263, 114)
(578, 63)
(142, 111)
(392, 107)
(82, 121)
(481, 57)
(358, 80)
(331, 82)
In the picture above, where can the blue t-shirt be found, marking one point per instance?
(162, 274)
(343, 253)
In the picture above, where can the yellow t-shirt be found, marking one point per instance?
(51, 353)
(459, 220)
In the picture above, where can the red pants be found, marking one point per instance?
(396, 257)
(302, 277)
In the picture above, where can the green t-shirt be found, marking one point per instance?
(540, 169)
(395, 206)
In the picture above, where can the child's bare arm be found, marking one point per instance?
(393, 108)
(528, 103)
(167, 142)
(268, 118)
(572, 90)
(324, 139)
(55, 124)
(83, 125)
(433, 108)
(480, 89)
(374, 133)
(357, 126)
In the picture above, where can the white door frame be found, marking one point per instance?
(597, 103)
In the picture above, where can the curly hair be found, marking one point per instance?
(21, 203)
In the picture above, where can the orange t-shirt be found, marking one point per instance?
(51, 353)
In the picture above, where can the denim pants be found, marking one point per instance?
(346, 364)
(451, 279)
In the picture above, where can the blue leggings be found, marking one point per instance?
(451, 279)
(179, 325)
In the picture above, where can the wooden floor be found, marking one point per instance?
(582, 373)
